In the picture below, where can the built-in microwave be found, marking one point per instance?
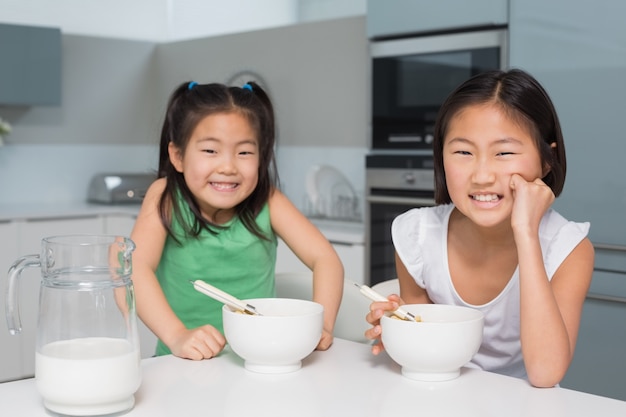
(411, 77)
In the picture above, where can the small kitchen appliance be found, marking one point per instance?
(120, 188)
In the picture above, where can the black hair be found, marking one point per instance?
(525, 101)
(187, 106)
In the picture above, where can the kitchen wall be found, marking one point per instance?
(316, 74)
(151, 20)
(114, 94)
(167, 20)
(107, 105)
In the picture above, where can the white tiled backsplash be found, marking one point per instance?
(61, 173)
(294, 164)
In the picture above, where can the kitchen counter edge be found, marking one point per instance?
(43, 211)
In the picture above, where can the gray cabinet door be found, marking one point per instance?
(577, 50)
(405, 17)
(30, 65)
(599, 365)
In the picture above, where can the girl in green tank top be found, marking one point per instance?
(214, 214)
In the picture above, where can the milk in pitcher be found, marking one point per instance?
(88, 376)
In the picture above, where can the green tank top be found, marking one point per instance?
(233, 260)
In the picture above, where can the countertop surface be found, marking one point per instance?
(346, 380)
(336, 231)
(34, 211)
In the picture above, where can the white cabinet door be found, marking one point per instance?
(30, 234)
(119, 224)
(122, 225)
(352, 256)
(10, 365)
(287, 261)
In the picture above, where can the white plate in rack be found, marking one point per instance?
(327, 189)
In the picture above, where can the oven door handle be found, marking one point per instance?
(400, 200)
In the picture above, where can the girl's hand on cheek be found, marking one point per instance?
(531, 201)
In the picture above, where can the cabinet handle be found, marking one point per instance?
(335, 243)
(609, 246)
(610, 298)
(610, 271)
(47, 219)
(409, 201)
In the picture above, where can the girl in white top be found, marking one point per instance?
(493, 242)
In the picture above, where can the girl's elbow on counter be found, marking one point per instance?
(546, 377)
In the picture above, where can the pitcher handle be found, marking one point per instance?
(12, 308)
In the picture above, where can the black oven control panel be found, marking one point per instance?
(399, 172)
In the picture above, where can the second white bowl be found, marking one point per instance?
(436, 348)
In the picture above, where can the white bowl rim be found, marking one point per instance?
(257, 302)
(415, 309)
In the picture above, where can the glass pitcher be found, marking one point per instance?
(87, 359)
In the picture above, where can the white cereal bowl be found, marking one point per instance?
(436, 348)
(275, 342)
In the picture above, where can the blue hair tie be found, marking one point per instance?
(191, 85)
(247, 86)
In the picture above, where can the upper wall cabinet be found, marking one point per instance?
(30, 65)
(390, 18)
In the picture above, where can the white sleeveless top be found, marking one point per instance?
(420, 239)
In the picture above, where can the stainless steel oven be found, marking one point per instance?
(411, 77)
(394, 184)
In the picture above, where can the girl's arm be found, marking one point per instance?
(550, 310)
(411, 294)
(149, 236)
(316, 252)
(410, 291)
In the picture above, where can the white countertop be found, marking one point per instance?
(346, 380)
(12, 212)
(336, 231)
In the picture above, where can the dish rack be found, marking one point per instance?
(334, 207)
(330, 195)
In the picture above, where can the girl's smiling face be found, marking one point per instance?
(482, 149)
(220, 163)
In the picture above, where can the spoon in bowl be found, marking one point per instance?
(225, 298)
(374, 296)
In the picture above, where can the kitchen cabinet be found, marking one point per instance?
(10, 368)
(577, 50)
(352, 256)
(30, 68)
(286, 260)
(119, 224)
(599, 366)
(122, 225)
(392, 18)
